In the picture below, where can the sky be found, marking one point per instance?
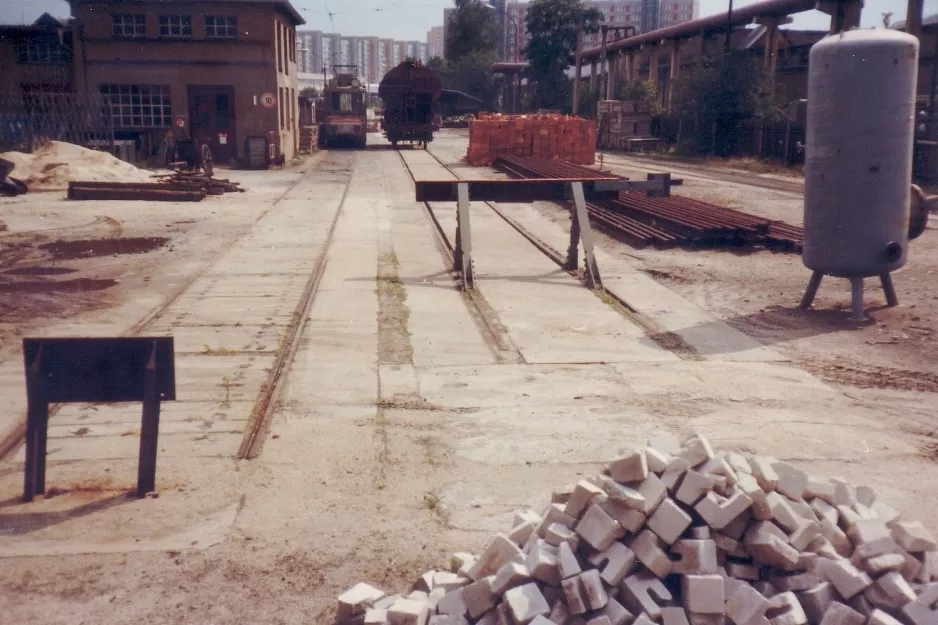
(411, 19)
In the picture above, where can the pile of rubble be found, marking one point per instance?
(679, 535)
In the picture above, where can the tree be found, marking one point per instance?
(552, 27)
(471, 29)
(309, 92)
(436, 62)
(715, 97)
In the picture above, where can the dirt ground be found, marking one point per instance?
(757, 290)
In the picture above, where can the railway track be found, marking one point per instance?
(260, 415)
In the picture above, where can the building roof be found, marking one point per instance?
(284, 5)
(45, 23)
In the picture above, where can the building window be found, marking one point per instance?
(129, 25)
(175, 26)
(138, 106)
(43, 52)
(283, 115)
(221, 26)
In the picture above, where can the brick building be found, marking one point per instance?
(435, 41)
(216, 70)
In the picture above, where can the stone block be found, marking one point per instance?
(844, 492)
(878, 617)
(742, 571)
(555, 513)
(885, 513)
(583, 495)
(602, 619)
(760, 506)
(761, 530)
(386, 602)
(807, 561)
(927, 570)
(896, 588)
(479, 597)
(718, 514)
(460, 563)
(696, 450)
(785, 609)
(499, 552)
(729, 546)
(453, 603)
(630, 466)
(803, 509)
(559, 533)
(795, 583)
(792, 482)
(738, 462)
(617, 613)
(806, 532)
(703, 594)
(693, 487)
(593, 590)
(674, 616)
(861, 604)
(746, 605)
(846, 578)
(643, 593)
(738, 526)
(697, 557)
(774, 551)
(764, 473)
(408, 612)
(526, 602)
(357, 599)
(376, 617)
(573, 595)
(425, 581)
(621, 493)
(567, 563)
(884, 563)
(836, 537)
(922, 611)
(866, 495)
(669, 521)
(599, 529)
(765, 588)
(839, 614)
(542, 563)
(720, 467)
(782, 512)
(457, 619)
(657, 461)
(674, 474)
(418, 595)
(819, 488)
(816, 600)
(913, 537)
(629, 518)
(433, 599)
(643, 619)
(522, 532)
(649, 549)
(867, 531)
(617, 561)
(824, 510)
(847, 516)
(523, 516)
(701, 532)
(730, 584)
(653, 492)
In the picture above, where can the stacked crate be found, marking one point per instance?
(623, 121)
(553, 137)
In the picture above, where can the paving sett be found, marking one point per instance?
(379, 463)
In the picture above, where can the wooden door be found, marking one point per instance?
(212, 119)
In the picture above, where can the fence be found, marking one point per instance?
(768, 139)
(29, 120)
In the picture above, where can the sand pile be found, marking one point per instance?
(678, 534)
(56, 164)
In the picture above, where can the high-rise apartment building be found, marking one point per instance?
(435, 41)
(373, 56)
(642, 15)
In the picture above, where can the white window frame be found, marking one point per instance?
(43, 52)
(138, 106)
(221, 26)
(129, 24)
(176, 26)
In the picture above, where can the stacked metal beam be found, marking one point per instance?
(660, 221)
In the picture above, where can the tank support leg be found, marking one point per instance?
(811, 291)
(856, 293)
(889, 289)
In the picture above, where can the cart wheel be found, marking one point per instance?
(207, 161)
(918, 213)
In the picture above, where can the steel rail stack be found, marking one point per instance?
(661, 221)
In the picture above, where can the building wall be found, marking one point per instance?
(435, 40)
(15, 77)
(261, 59)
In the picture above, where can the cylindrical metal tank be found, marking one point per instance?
(858, 165)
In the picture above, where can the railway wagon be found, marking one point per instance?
(409, 92)
(343, 118)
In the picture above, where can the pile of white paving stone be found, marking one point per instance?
(675, 534)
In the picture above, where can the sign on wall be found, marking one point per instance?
(268, 100)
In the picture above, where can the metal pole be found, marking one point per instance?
(577, 73)
(603, 65)
(913, 18)
(729, 28)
